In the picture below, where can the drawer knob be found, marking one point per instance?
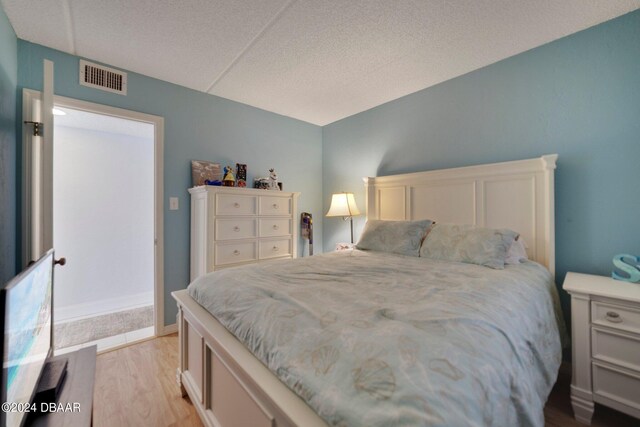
(236, 205)
(236, 252)
(275, 227)
(613, 317)
(275, 206)
(276, 249)
(236, 228)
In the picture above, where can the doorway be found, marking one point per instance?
(103, 224)
(107, 222)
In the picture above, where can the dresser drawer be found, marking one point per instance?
(274, 227)
(616, 384)
(617, 348)
(275, 248)
(275, 205)
(232, 204)
(615, 316)
(231, 253)
(233, 228)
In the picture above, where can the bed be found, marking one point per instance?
(423, 342)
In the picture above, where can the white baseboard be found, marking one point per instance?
(169, 329)
(101, 306)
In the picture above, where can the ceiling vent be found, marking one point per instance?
(101, 77)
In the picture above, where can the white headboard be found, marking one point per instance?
(518, 195)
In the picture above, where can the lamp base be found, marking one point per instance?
(351, 221)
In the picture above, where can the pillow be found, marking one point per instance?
(517, 252)
(398, 237)
(467, 243)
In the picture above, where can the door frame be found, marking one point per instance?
(29, 97)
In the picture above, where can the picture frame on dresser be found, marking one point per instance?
(233, 226)
(605, 338)
(203, 171)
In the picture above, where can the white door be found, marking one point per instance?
(103, 217)
(37, 179)
(38, 170)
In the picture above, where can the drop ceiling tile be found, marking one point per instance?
(313, 48)
(185, 42)
(36, 22)
(325, 60)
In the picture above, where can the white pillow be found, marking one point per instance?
(400, 237)
(468, 243)
(517, 252)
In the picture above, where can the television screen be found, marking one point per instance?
(27, 334)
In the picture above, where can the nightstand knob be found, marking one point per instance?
(236, 252)
(275, 249)
(275, 227)
(613, 317)
(236, 228)
(236, 205)
(275, 206)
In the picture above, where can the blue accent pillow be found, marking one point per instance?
(470, 244)
(398, 237)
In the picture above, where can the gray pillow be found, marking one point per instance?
(398, 237)
(470, 244)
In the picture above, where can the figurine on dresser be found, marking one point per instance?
(229, 180)
(273, 180)
(270, 183)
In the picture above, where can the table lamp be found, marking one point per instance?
(344, 205)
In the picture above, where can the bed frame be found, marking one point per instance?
(230, 387)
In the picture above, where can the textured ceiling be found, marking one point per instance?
(314, 60)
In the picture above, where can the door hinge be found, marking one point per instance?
(36, 127)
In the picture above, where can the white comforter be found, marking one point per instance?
(375, 339)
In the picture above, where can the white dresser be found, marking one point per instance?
(605, 334)
(233, 226)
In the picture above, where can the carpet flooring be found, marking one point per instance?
(82, 331)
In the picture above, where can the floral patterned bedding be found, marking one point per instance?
(374, 339)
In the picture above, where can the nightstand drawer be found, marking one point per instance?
(231, 229)
(615, 316)
(235, 252)
(275, 205)
(617, 385)
(617, 348)
(275, 248)
(274, 227)
(232, 204)
(605, 338)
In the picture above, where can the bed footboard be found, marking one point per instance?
(227, 385)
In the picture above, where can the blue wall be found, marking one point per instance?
(197, 126)
(8, 82)
(578, 97)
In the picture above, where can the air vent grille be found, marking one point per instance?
(101, 77)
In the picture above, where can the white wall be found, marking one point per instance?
(103, 221)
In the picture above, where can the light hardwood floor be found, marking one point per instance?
(136, 386)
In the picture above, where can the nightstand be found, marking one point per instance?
(605, 337)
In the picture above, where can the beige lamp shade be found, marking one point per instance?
(343, 204)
